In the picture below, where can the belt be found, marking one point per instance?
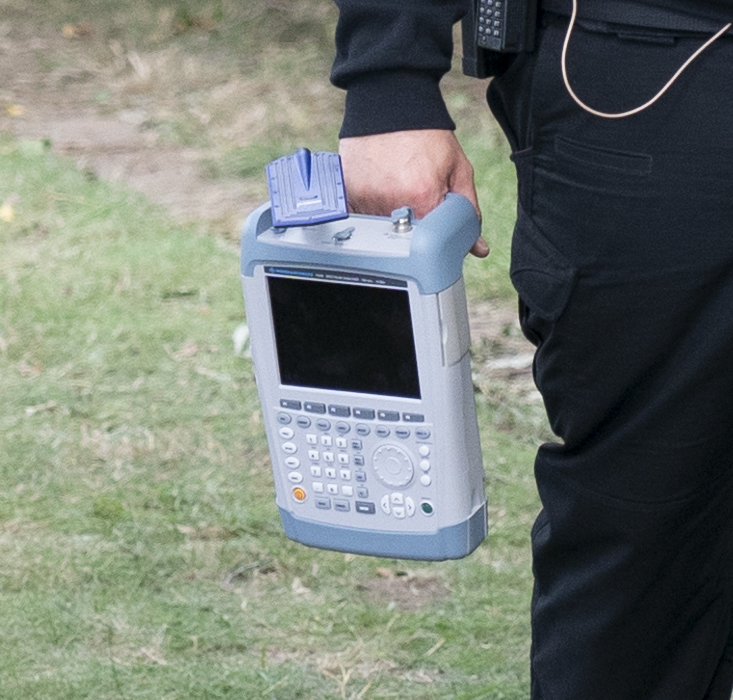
(636, 14)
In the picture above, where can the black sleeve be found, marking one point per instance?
(390, 57)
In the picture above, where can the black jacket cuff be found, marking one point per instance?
(394, 101)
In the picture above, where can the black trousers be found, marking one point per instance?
(623, 260)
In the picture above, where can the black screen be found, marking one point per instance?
(347, 337)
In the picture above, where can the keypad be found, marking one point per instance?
(490, 23)
(345, 457)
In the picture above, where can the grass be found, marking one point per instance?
(142, 551)
(141, 546)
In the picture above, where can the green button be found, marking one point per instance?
(427, 508)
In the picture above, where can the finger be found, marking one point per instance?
(480, 248)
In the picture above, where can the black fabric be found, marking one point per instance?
(717, 10)
(623, 260)
(392, 54)
(673, 16)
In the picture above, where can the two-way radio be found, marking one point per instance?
(360, 344)
(493, 30)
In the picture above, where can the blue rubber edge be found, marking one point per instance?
(440, 242)
(454, 542)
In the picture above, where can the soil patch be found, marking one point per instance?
(153, 120)
(403, 590)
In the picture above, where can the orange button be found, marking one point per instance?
(299, 494)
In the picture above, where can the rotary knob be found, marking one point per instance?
(393, 466)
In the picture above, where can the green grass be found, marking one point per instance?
(142, 551)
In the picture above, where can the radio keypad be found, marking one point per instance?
(392, 464)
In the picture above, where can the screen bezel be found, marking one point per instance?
(403, 380)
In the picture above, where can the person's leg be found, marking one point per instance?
(623, 260)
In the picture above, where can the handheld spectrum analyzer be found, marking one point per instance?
(360, 344)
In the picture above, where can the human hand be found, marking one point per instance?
(407, 168)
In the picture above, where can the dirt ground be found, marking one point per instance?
(64, 90)
(120, 115)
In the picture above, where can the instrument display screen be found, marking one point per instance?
(334, 333)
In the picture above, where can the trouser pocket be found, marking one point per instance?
(543, 277)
